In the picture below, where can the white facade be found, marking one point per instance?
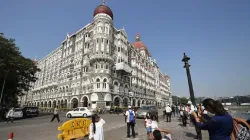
(97, 66)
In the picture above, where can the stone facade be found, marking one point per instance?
(97, 66)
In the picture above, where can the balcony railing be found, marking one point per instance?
(123, 66)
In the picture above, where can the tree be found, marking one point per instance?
(179, 100)
(183, 100)
(16, 72)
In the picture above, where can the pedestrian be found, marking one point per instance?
(220, 127)
(192, 120)
(154, 123)
(55, 115)
(10, 115)
(168, 112)
(157, 134)
(173, 111)
(177, 109)
(148, 126)
(164, 114)
(96, 128)
(130, 120)
(183, 114)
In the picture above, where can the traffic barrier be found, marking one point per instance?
(11, 136)
(74, 129)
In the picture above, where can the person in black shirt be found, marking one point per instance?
(173, 111)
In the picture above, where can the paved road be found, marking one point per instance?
(40, 128)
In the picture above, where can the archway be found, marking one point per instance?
(49, 104)
(125, 102)
(143, 102)
(59, 104)
(85, 101)
(133, 103)
(62, 104)
(54, 103)
(65, 103)
(139, 103)
(41, 104)
(117, 101)
(74, 103)
(45, 104)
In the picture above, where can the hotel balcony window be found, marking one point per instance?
(104, 83)
(98, 83)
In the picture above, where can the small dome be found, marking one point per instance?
(103, 9)
(139, 44)
(167, 77)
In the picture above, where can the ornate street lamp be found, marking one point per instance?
(186, 65)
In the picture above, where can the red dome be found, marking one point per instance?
(139, 45)
(103, 9)
(167, 77)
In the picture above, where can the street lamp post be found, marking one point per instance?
(1, 96)
(186, 65)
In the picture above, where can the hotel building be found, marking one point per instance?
(98, 67)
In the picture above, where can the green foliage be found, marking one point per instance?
(17, 71)
(179, 100)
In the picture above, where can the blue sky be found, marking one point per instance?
(215, 34)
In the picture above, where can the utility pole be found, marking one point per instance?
(1, 96)
(186, 65)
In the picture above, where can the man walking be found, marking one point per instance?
(168, 112)
(55, 115)
(173, 111)
(130, 120)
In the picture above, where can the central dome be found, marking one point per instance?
(103, 9)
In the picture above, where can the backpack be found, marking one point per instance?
(241, 129)
(131, 116)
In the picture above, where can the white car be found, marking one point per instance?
(18, 113)
(80, 112)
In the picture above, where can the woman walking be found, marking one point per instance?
(96, 128)
(220, 126)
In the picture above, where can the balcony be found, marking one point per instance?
(100, 56)
(123, 66)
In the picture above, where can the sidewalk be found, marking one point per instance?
(179, 132)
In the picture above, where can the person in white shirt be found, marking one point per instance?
(154, 124)
(168, 112)
(130, 120)
(148, 126)
(96, 128)
(55, 115)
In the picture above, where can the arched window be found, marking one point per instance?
(116, 84)
(98, 83)
(104, 83)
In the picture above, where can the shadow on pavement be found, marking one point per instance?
(191, 135)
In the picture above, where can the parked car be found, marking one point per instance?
(143, 110)
(80, 112)
(30, 111)
(18, 113)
